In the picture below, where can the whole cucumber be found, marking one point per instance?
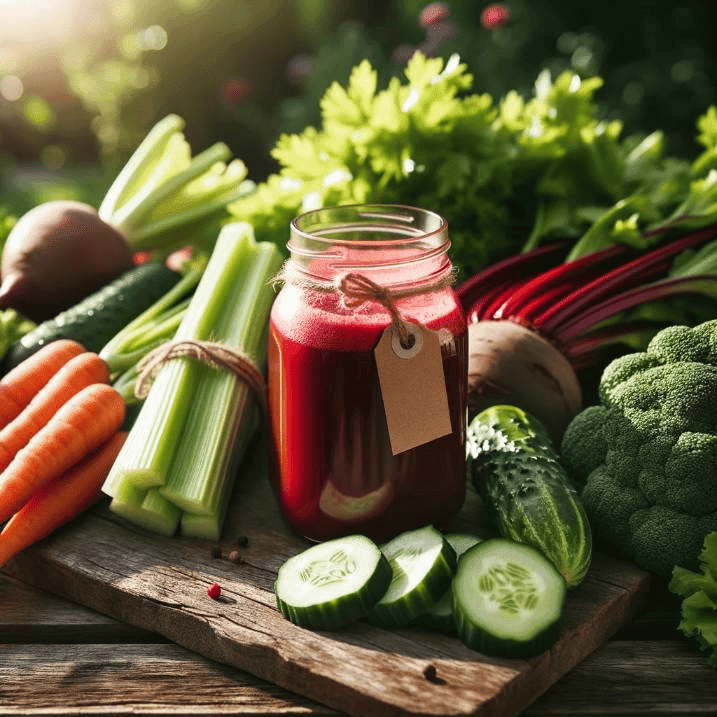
(96, 319)
(526, 491)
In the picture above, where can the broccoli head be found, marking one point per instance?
(646, 456)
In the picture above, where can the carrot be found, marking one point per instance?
(20, 384)
(61, 500)
(81, 371)
(79, 426)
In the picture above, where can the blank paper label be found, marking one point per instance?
(413, 387)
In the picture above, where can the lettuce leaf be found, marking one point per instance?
(699, 607)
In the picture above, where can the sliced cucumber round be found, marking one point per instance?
(423, 563)
(508, 599)
(440, 617)
(332, 584)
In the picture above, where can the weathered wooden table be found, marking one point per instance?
(57, 658)
(126, 627)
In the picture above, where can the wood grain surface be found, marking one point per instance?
(159, 584)
(57, 657)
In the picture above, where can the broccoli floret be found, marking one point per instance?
(662, 537)
(585, 448)
(647, 455)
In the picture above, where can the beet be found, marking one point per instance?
(511, 364)
(530, 329)
(57, 254)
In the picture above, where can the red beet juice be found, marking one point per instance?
(336, 470)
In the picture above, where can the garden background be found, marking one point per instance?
(81, 81)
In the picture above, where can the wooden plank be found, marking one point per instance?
(622, 678)
(160, 679)
(31, 615)
(159, 584)
(635, 679)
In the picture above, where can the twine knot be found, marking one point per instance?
(211, 353)
(359, 288)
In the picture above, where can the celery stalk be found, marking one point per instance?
(146, 236)
(146, 455)
(209, 527)
(126, 218)
(220, 421)
(139, 165)
(203, 527)
(153, 513)
(124, 384)
(174, 159)
(159, 321)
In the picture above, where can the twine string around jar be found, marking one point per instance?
(358, 288)
(212, 353)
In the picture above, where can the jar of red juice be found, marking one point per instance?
(337, 473)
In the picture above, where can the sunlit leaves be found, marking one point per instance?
(507, 174)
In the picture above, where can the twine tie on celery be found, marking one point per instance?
(211, 353)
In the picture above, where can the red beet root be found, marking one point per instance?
(64, 235)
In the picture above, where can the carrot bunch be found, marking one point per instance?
(60, 424)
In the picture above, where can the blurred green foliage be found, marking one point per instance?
(83, 80)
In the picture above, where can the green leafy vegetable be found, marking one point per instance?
(508, 174)
(699, 607)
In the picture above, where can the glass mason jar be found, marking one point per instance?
(336, 472)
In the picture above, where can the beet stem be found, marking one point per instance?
(587, 344)
(645, 265)
(479, 309)
(699, 284)
(511, 268)
(563, 272)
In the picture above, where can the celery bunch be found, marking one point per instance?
(177, 466)
(164, 199)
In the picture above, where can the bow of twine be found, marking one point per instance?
(359, 288)
(211, 353)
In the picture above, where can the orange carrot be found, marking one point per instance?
(79, 426)
(20, 384)
(61, 500)
(81, 371)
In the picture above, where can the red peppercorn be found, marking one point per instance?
(214, 591)
(494, 16)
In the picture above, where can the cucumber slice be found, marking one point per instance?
(332, 584)
(460, 542)
(508, 599)
(440, 617)
(423, 563)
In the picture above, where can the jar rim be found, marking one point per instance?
(399, 221)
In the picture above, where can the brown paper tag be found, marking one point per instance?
(413, 387)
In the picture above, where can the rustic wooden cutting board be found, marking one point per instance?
(160, 584)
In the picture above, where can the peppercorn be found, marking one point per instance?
(214, 591)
